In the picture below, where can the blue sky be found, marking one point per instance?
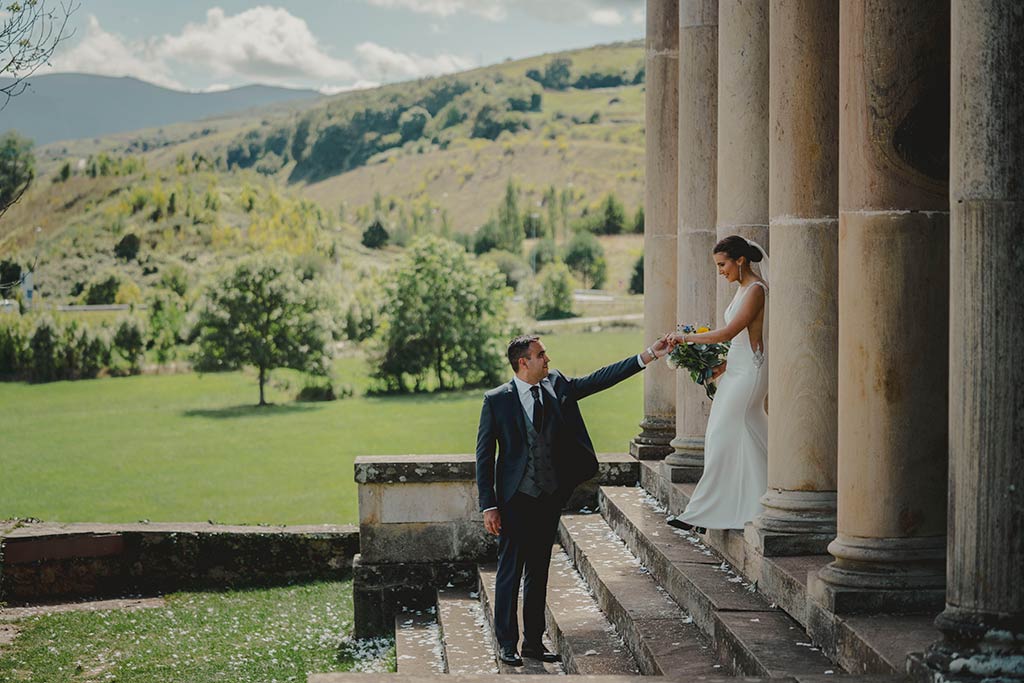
(329, 45)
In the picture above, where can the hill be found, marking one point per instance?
(559, 131)
(68, 106)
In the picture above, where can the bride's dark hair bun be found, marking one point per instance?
(735, 246)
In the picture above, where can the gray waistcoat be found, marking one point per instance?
(540, 472)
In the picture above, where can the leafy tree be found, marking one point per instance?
(103, 290)
(638, 220)
(128, 247)
(557, 73)
(613, 215)
(543, 253)
(261, 314)
(42, 347)
(443, 316)
(29, 33)
(412, 122)
(550, 296)
(375, 236)
(636, 280)
(129, 341)
(10, 277)
(510, 221)
(585, 257)
(512, 266)
(488, 237)
(166, 324)
(17, 168)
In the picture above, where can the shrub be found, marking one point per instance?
(128, 247)
(375, 236)
(103, 291)
(512, 266)
(585, 256)
(14, 347)
(43, 348)
(544, 253)
(636, 280)
(129, 342)
(550, 295)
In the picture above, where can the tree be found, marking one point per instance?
(166, 322)
(412, 122)
(510, 221)
(443, 315)
(10, 277)
(129, 340)
(17, 168)
(550, 296)
(636, 280)
(29, 34)
(261, 314)
(638, 220)
(585, 257)
(613, 215)
(375, 236)
(128, 247)
(557, 73)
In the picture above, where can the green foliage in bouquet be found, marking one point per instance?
(699, 359)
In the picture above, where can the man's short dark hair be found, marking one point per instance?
(520, 348)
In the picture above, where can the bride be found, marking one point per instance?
(736, 442)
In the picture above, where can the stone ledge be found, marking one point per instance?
(44, 561)
(613, 468)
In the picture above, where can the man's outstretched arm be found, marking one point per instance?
(610, 375)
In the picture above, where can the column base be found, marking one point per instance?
(875, 575)
(686, 463)
(974, 646)
(653, 442)
(794, 523)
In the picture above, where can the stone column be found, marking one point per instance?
(800, 504)
(662, 172)
(983, 623)
(742, 127)
(698, 144)
(893, 309)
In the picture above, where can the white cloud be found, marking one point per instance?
(638, 16)
(264, 43)
(493, 10)
(605, 17)
(386, 64)
(108, 54)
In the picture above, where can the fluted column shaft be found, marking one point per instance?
(742, 200)
(661, 181)
(983, 623)
(695, 293)
(804, 210)
(893, 308)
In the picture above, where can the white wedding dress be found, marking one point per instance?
(736, 442)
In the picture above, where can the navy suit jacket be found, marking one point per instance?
(501, 442)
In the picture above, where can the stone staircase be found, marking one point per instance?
(628, 597)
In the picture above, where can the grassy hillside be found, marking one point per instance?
(308, 178)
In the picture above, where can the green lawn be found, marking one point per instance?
(192, 448)
(254, 636)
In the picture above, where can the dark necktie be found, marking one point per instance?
(538, 409)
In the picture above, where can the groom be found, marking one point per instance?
(543, 453)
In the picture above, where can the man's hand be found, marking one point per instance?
(661, 347)
(492, 522)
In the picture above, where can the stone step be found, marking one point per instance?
(346, 677)
(660, 635)
(418, 643)
(753, 637)
(465, 633)
(487, 574)
(587, 641)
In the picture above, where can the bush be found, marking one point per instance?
(412, 122)
(585, 257)
(318, 389)
(103, 291)
(613, 216)
(166, 324)
(14, 347)
(550, 295)
(512, 266)
(375, 236)
(128, 247)
(638, 221)
(636, 280)
(129, 342)
(544, 253)
(43, 349)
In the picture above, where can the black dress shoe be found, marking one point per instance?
(508, 655)
(540, 653)
(680, 524)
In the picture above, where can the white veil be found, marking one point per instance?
(762, 265)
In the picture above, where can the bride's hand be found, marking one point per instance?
(717, 371)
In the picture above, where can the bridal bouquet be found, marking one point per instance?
(698, 359)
